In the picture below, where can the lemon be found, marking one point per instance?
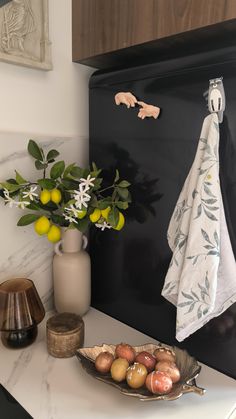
(54, 234)
(96, 214)
(45, 196)
(105, 212)
(81, 214)
(120, 223)
(42, 225)
(56, 196)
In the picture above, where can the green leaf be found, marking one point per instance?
(52, 154)
(58, 219)
(117, 177)
(47, 183)
(50, 206)
(27, 219)
(93, 201)
(97, 183)
(113, 217)
(10, 187)
(86, 172)
(33, 206)
(57, 169)
(19, 179)
(70, 184)
(39, 165)
(82, 224)
(122, 192)
(11, 181)
(68, 170)
(95, 173)
(124, 184)
(77, 172)
(103, 204)
(94, 167)
(122, 205)
(34, 150)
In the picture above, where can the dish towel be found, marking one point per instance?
(201, 280)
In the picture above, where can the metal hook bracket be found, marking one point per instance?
(216, 97)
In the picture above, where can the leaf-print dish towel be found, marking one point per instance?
(201, 280)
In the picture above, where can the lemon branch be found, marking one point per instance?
(105, 189)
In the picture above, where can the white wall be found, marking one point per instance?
(47, 102)
(50, 107)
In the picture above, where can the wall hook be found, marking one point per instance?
(216, 97)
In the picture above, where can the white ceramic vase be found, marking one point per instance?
(72, 273)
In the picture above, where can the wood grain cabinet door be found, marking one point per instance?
(103, 26)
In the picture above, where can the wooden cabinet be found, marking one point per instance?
(104, 27)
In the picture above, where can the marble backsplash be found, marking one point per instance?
(22, 252)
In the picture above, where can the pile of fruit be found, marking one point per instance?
(157, 372)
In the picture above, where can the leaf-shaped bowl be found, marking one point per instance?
(188, 366)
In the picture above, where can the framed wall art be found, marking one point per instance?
(24, 34)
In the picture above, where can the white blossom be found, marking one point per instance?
(103, 225)
(22, 204)
(70, 218)
(72, 210)
(87, 183)
(81, 198)
(30, 193)
(8, 199)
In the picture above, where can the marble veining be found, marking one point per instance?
(18, 368)
(47, 409)
(53, 388)
(22, 252)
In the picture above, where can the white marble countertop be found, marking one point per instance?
(52, 388)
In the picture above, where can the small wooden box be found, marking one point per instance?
(65, 334)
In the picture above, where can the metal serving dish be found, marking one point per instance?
(188, 366)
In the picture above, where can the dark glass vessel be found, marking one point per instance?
(16, 339)
(20, 311)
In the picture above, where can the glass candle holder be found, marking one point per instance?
(21, 310)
